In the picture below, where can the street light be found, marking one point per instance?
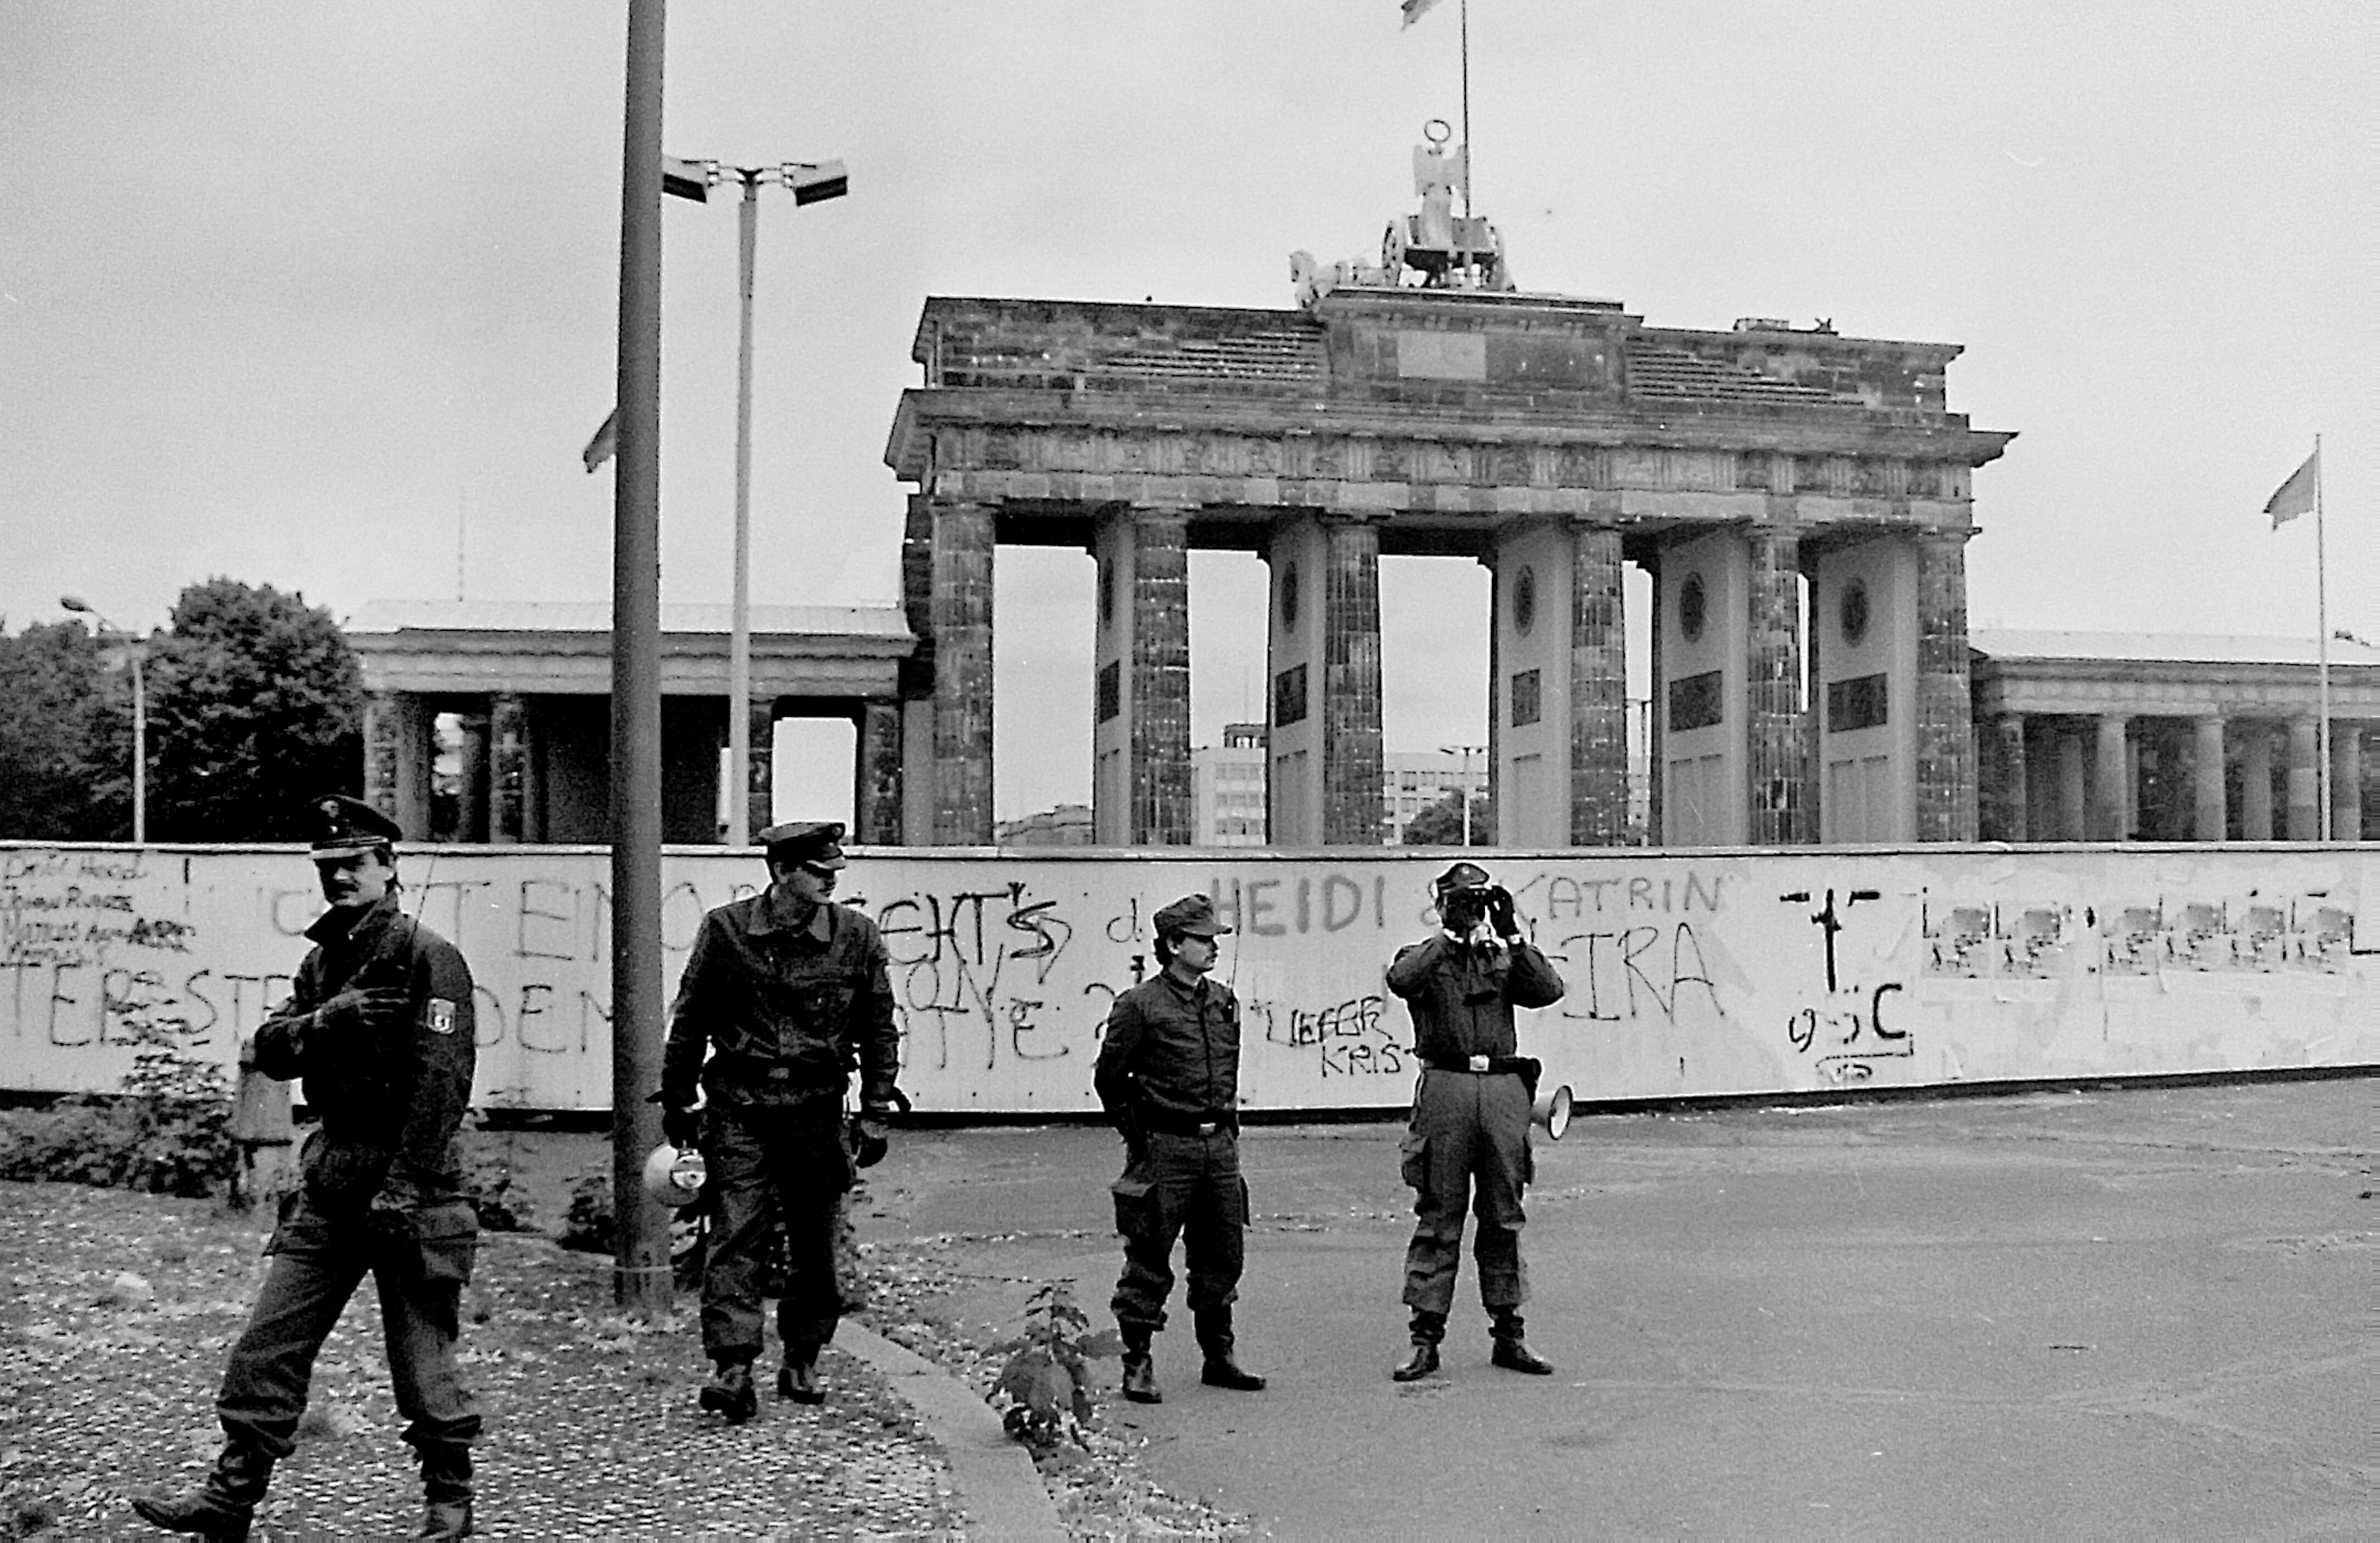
(137, 652)
(1466, 752)
(810, 182)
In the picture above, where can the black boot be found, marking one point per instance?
(220, 1507)
(729, 1393)
(445, 1492)
(1428, 1328)
(1139, 1369)
(1512, 1352)
(799, 1381)
(1221, 1370)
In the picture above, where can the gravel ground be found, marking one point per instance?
(120, 1308)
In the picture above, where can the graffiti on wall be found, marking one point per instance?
(1687, 975)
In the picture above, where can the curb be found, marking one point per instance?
(999, 1490)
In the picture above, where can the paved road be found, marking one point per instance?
(2134, 1312)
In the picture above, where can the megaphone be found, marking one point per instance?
(674, 1176)
(1550, 1114)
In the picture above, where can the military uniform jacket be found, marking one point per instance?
(783, 1011)
(390, 1087)
(1173, 1051)
(1463, 997)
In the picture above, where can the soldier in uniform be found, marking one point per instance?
(379, 1024)
(785, 991)
(1471, 1113)
(1169, 1077)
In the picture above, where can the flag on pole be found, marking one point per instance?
(1414, 9)
(605, 444)
(2296, 496)
(688, 179)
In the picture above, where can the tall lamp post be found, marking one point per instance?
(1466, 752)
(137, 652)
(810, 182)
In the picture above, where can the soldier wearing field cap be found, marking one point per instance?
(785, 993)
(379, 1024)
(1169, 1077)
(1470, 1126)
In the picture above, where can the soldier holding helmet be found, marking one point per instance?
(1471, 1112)
(785, 992)
(1169, 1077)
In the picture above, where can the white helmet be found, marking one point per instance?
(674, 1177)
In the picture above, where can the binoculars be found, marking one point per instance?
(1463, 909)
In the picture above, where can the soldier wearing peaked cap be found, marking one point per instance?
(1468, 1146)
(379, 1024)
(785, 993)
(1169, 1077)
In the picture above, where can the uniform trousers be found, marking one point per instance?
(419, 1263)
(767, 1162)
(1187, 1187)
(1468, 1147)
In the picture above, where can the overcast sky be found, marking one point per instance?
(296, 293)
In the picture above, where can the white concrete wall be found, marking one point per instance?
(1697, 974)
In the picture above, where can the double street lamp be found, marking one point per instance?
(137, 653)
(810, 182)
(1466, 752)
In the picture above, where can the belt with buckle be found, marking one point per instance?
(1482, 1065)
(1183, 1125)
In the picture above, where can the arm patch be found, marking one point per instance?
(439, 1014)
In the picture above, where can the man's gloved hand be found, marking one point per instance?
(1501, 913)
(682, 1126)
(363, 1006)
(869, 1140)
(390, 1217)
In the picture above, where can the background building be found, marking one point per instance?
(1227, 788)
(1067, 825)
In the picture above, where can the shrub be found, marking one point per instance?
(182, 1111)
(587, 1224)
(1043, 1392)
(491, 1181)
(169, 1132)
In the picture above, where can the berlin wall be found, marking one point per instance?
(1691, 974)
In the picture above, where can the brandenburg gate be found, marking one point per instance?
(1802, 499)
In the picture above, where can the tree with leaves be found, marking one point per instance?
(255, 705)
(62, 775)
(1441, 824)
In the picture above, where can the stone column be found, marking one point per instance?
(1599, 690)
(876, 775)
(471, 821)
(2257, 784)
(1655, 758)
(961, 609)
(1945, 742)
(1350, 683)
(1777, 746)
(2345, 782)
(2110, 767)
(397, 757)
(760, 784)
(508, 768)
(2010, 803)
(1141, 793)
(2207, 777)
(2305, 784)
(381, 751)
(2073, 807)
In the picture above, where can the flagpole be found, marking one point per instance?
(2322, 647)
(1466, 109)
